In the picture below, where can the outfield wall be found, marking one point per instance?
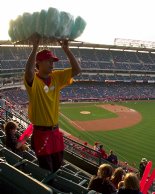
(105, 99)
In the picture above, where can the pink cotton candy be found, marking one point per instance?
(26, 133)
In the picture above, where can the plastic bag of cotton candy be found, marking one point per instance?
(50, 24)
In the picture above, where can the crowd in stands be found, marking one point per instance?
(90, 91)
(109, 91)
(15, 58)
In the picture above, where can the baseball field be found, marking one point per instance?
(128, 128)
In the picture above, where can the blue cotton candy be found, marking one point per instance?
(19, 28)
(78, 28)
(12, 32)
(66, 25)
(48, 24)
(27, 18)
(41, 23)
(34, 22)
(52, 22)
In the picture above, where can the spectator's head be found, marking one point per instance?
(131, 181)
(10, 128)
(96, 143)
(117, 176)
(144, 161)
(111, 152)
(105, 171)
(101, 146)
(85, 143)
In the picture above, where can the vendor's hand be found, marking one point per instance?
(35, 40)
(63, 44)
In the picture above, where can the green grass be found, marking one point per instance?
(73, 112)
(130, 144)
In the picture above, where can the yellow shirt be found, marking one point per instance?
(43, 100)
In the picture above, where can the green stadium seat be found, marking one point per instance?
(10, 156)
(69, 176)
(3, 138)
(2, 133)
(68, 167)
(65, 185)
(83, 175)
(1, 146)
(23, 183)
(29, 167)
(67, 170)
(29, 156)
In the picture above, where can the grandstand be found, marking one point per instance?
(109, 73)
(127, 72)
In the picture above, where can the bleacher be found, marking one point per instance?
(92, 60)
(94, 90)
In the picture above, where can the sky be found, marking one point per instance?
(106, 19)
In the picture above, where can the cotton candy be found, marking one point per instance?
(66, 25)
(78, 28)
(27, 18)
(52, 22)
(34, 22)
(48, 24)
(41, 23)
(20, 27)
(11, 31)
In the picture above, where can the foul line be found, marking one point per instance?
(70, 121)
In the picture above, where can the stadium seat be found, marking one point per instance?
(10, 156)
(32, 169)
(65, 185)
(2, 133)
(22, 183)
(69, 176)
(1, 146)
(2, 138)
(29, 156)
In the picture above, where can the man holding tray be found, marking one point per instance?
(43, 89)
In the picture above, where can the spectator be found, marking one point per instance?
(96, 146)
(102, 151)
(96, 149)
(101, 183)
(12, 138)
(117, 176)
(131, 185)
(142, 166)
(112, 158)
(85, 143)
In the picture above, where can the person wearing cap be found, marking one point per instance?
(43, 89)
(142, 166)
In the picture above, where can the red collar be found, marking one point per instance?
(46, 81)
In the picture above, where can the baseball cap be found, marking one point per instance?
(45, 55)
